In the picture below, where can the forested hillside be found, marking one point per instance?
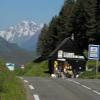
(78, 17)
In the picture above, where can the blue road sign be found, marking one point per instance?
(93, 52)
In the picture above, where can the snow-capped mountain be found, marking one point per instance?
(11, 52)
(22, 33)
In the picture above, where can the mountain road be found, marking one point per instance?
(62, 89)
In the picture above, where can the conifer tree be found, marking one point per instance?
(78, 17)
(63, 19)
(91, 17)
(98, 21)
(41, 45)
(48, 38)
(77, 24)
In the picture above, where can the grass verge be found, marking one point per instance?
(11, 88)
(91, 72)
(34, 69)
(89, 75)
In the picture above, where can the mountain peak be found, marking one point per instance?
(26, 22)
(21, 32)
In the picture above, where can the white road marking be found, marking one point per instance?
(36, 97)
(76, 82)
(96, 92)
(86, 87)
(25, 81)
(31, 87)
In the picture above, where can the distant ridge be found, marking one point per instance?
(22, 33)
(12, 53)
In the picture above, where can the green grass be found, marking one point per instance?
(89, 75)
(11, 88)
(34, 69)
(92, 73)
(92, 64)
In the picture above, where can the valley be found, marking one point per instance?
(18, 43)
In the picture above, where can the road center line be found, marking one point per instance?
(74, 81)
(86, 87)
(31, 87)
(36, 97)
(96, 92)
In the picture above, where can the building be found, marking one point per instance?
(68, 52)
(10, 66)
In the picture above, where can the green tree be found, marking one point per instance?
(63, 19)
(98, 21)
(52, 35)
(78, 17)
(42, 41)
(77, 24)
(91, 17)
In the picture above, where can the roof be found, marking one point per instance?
(67, 45)
(59, 46)
(39, 59)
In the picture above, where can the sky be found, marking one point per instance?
(40, 11)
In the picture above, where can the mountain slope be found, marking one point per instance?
(22, 33)
(12, 53)
(31, 43)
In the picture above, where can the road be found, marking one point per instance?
(62, 89)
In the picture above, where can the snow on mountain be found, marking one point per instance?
(22, 33)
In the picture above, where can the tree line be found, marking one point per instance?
(78, 17)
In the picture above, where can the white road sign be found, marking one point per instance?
(93, 52)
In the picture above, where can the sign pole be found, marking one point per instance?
(94, 54)
(97, 63)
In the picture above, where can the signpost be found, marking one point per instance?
(94, 54)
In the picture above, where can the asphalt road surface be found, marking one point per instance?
(62, 89)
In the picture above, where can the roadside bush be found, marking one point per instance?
(92, 64)
(91, 72)
(2, 75)
(88, 75)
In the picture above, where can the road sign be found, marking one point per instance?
(60, 54)
(93, 52)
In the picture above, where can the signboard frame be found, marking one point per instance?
(93, 53)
